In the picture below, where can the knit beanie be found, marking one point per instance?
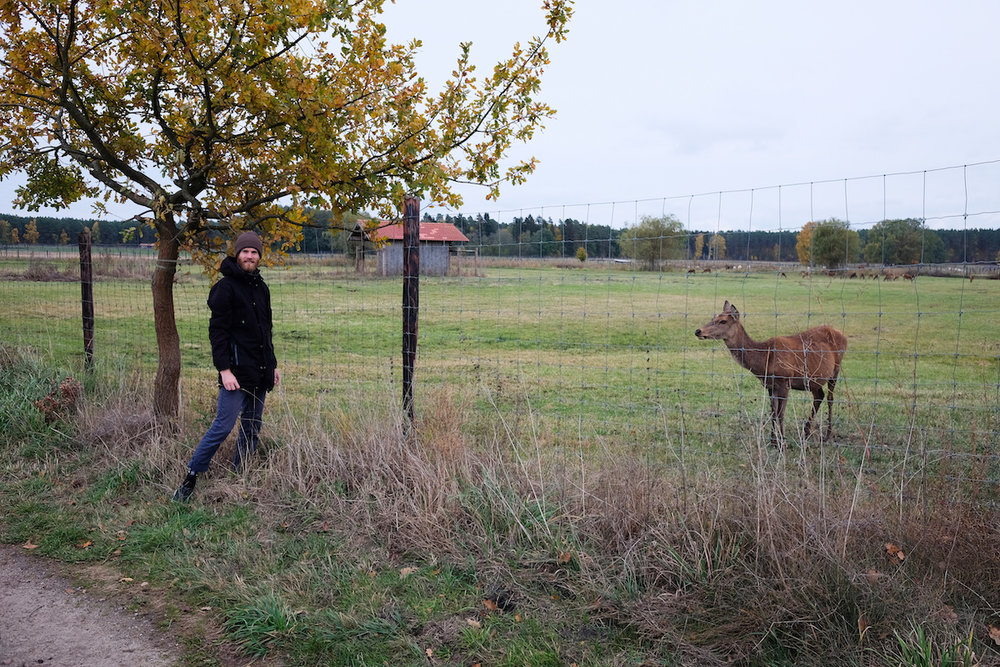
(248, 240)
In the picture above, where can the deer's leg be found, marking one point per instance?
(779, 399)
(817, 392)
(829, 407)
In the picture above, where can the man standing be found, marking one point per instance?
(243, 353)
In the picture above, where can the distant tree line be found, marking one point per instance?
(61, 231)
(827, 243)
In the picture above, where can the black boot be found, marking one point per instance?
(186, 488)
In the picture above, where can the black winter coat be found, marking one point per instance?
(240, 326)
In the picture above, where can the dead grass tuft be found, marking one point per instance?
(41, 271)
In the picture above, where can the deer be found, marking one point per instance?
(808, 360)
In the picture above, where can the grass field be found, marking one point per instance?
(603, 358)
(591, 483)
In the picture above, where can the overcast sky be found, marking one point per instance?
(659, 100)
(735, 114)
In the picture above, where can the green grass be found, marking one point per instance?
(579, 455)
(604, 359)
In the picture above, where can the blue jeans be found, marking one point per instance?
(245, 404)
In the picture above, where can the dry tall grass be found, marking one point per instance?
(750, 566)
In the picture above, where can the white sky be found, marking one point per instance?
(663, 105)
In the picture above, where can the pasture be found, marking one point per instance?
(593, 358)
(591, 483)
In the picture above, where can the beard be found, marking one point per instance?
(249, 264)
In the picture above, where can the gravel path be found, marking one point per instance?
(47, 620)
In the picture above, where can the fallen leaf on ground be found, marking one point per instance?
(29, 545)
(893, 550)
(406, 571)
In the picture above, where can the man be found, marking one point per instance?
(243, 353)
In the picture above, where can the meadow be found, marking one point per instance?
(586, 482)
(603, 357)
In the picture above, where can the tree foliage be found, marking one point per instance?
(717, 247)
(654, 239)
(214, 117)
(834, 243)
(31, 233)
(803, 243)
(699, 245)
(903, 242)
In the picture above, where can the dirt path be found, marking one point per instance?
(45, 619)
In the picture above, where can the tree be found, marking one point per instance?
(654, 240)
(699, 245)
(803, 243)
(31, 233)
(14, 237)
(63, 238)
(4, 232)
(717, 246)
(834, 243)
(903, 242)
(237, 114)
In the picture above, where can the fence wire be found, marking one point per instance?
(596, 356)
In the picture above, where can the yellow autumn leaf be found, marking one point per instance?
(406, 571)
(29, 545)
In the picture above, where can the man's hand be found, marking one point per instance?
(229, 381)
(277, 377)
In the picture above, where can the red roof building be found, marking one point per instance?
(432, 232)
(436, 239)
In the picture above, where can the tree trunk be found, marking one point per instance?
(166, 387)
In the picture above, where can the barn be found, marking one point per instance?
(436, 241)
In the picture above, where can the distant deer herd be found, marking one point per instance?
(805, 361)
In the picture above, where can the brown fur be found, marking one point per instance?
(804, 361)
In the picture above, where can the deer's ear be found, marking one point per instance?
(726, 307)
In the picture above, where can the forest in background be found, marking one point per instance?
(526, 236)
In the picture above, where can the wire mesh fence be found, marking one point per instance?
(596, 356)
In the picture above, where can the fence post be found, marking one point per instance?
(87, 298)
(411, 297)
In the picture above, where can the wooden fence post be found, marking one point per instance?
(411, 297)
(87, 298)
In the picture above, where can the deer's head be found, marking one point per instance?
(721, 327)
